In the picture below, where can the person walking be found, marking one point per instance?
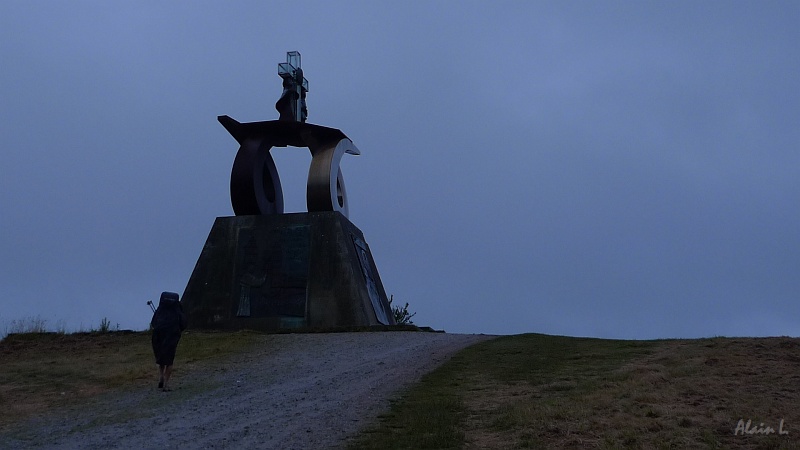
(168, 322)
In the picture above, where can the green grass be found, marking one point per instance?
(525, 391)
(539, 391)
(435, 414)
(41, 371)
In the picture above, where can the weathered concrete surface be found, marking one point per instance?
(285, 271)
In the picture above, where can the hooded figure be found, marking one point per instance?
(168, 322)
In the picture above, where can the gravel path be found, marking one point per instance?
(297, 391)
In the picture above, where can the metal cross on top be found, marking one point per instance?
(292, 104)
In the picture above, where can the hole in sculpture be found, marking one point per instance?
(293, 168)
(339, 193)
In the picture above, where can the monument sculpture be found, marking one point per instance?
(265, 269)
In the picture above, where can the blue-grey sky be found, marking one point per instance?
(611, 169)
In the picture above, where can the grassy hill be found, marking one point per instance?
(524, 391)
(539, 391)
(40, 372)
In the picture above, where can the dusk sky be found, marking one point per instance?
(586, 168)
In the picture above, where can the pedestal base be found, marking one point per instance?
(285, 271)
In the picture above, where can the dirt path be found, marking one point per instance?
(297, 391)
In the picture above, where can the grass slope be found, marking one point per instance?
(42, 371)
(526, 391)
(539, 391)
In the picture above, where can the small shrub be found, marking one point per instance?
(105, 326)
(401, 314)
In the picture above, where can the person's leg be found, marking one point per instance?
(167, 374)
(161, 376)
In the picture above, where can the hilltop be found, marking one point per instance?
(526, 391)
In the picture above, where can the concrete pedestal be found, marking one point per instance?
(283, 271)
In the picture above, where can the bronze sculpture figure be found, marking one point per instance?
(264, 269)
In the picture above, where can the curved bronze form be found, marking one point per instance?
(325, 190)
(255, 184)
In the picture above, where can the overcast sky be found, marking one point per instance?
(610, 169)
